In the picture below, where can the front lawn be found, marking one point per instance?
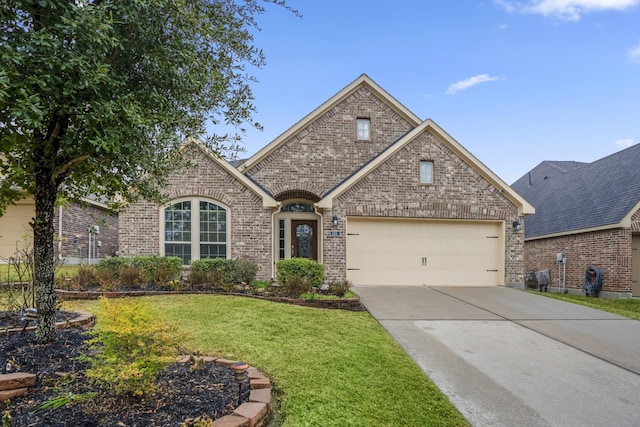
(11, 273)
(328, 367)
(627, 307)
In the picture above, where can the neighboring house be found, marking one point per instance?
(71, 227)
(362, 185)
(589, 212)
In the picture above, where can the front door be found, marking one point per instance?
(304, 239)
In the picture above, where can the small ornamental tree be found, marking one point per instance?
(97, 95)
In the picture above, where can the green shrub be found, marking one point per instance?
(85, 278)
(290, 269)
(105, 280)
(159, 269)
(220, 272)
(260, 284)
(246, 270)
(198, 278)
(130, 276)
(113, 265)
(153, 269)
(134, 346)
(296, 286)
(339, 288)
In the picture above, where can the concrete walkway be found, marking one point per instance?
(511, 358)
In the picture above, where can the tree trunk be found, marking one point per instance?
(45, 198)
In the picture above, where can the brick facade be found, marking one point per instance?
(325, 152)
(610, 250)
(250, 224)
(316, 157)
(459, 192)
(72, 244)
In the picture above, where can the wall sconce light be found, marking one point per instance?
(517, 226)
(335, 220)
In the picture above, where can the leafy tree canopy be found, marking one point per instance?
(96, 96)
(98, 92)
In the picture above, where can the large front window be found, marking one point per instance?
(195, 229)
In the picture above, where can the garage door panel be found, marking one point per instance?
(14, 228)
(410, 252)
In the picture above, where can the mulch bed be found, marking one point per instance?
(182, 393)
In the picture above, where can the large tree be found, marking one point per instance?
(97, 95)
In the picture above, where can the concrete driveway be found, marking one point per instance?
(511, 358)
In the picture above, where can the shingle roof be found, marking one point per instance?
(572, 196)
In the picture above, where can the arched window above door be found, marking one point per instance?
(298, 207)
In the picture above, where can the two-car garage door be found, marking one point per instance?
(424, 252)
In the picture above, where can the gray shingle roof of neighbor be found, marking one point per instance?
(570, 196)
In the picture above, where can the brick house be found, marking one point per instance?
(362, 185)
(71, 228)
(589, 212)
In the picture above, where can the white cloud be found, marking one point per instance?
(634, 53)
(472, 81)
(626, 142)
(509, 6)
(570, 10)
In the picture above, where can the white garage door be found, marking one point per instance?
(424, 252)
(14, 228)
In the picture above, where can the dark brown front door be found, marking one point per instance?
(304, 239)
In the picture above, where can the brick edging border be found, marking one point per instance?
(83, 320)
(256, 411)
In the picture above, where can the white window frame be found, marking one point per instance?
(426, 172)
(195, 225)
(363, 129)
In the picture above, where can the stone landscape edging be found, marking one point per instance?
(83, 319)
(256, 411)
(13, 387)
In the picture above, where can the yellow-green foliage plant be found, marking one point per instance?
(134, 345)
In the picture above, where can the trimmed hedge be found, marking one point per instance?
(296, 269)
(154, 269)
(223, 272)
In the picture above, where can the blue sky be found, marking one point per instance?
(515, 82)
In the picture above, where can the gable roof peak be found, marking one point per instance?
(362, 81)
(267, 200)
(524, 208)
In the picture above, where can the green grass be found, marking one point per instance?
(8, 272)
(328, 367)
(627, 307)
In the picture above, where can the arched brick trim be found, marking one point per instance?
(297, 194)
(208, 193)
(635, 222)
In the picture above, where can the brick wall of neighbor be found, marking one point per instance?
(76, 219)
(325, 152)
(393, 190)
(610, 250)
(250, 224)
